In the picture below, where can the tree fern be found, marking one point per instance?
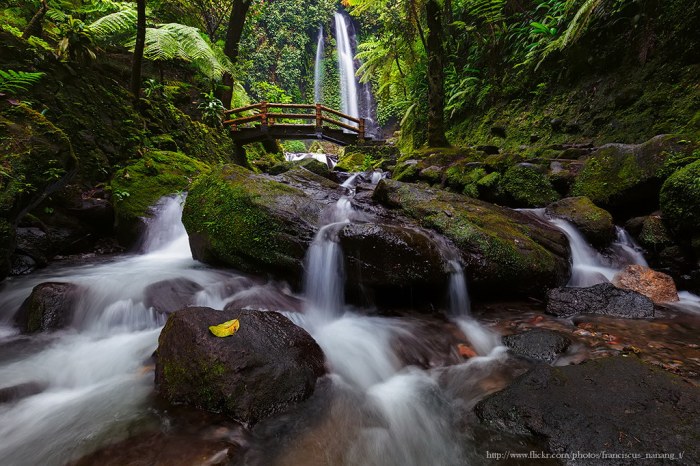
(114, 23)
(489, 11)
(16, 81)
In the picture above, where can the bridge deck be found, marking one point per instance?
(263, 125)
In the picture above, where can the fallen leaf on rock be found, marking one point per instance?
(226, 329)
(465, 351)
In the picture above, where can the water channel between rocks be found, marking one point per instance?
(399, 392)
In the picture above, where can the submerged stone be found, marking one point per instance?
(49, 307)
(541, 344)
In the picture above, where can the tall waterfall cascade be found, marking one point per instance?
(346, 67)
(318, 64)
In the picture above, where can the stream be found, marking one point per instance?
(398, 394)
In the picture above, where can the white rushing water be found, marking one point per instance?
(94, 376)
(346, 67)
(297, 156)
(318, 67)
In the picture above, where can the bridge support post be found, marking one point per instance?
(263, 113)
(361, 132)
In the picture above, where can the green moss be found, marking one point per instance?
(231, 207)
(406, 172)
(595, 224)
(527, 187)
(356, 158)
(654, 234)
(680, 199)
(138, 186)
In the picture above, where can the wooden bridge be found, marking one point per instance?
(266, 121)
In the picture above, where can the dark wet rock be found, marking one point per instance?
(429, 343)
(20, 391)
(616, 405)
(49, 307)
(267, 297)
(657, 286)
(594, 223)
(503, 250)
(490, 150)
(22, 264)
(33, 242)
(626, 178)
(168, 296)
(254, 223)
(395, 262)
(557, 124)
(265, 367)
(541, 344)
(604, 299)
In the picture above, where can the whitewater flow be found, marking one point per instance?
(318, 64)
(346, 67)
(93, 378)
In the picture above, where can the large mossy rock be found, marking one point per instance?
(594, 223)
(526, 186)
(265, 367)
(252, 222)
(504, 250)
(399, 265)
(361, 157)
(614, 405)
(49, 307)
(36, 159)
(137, 187)
(627, 178)
(680, 199)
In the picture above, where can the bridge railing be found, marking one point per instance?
(267, 114)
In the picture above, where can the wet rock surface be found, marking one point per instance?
(265, 367)
(540, 344)
(594, 223)
(502, 249)
(657, 286)
(616, 405)
(394, 262)
(49, 307)
(604, 298)
(170, 295)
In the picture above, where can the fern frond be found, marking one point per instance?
(578, 24)
(490, 11)
(114, 23)
(16, 81)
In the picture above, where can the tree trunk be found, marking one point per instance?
(233, 38)
(436, 76)
(138, 50)
(35, 26)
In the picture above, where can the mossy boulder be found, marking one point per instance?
(364, 157)
(137, 187)
(7, 246)
(526, 186)
(627, 178)
(267, 366)
(252, 222)
(680, 200)
(50, 306)
(502, 249)
(654, 234)
(594, 223)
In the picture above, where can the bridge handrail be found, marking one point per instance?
(265, 116)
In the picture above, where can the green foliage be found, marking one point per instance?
(212, 110)
(293, 146)
(18, 81)
(268, 92)
(680, 199)
(528, 187)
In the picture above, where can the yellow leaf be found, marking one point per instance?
(226, 329)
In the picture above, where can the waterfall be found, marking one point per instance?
(346, 67)
(318, 72)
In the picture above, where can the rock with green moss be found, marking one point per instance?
(407, 171)
(504, 250)
(433, 174)
(252, 222)
(36, 160)
(363, 157)
(263, 369)
(680, 200)
(49, 307)
(594, 223)
(654, 234)
(137, 187)
(626, 178)
(526, 186)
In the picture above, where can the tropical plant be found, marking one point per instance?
(17, 81)
(212, 110)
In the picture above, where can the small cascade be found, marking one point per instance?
(482, 339)
(627, 248)
(323, 158)
(318, 67)
(346, 67)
